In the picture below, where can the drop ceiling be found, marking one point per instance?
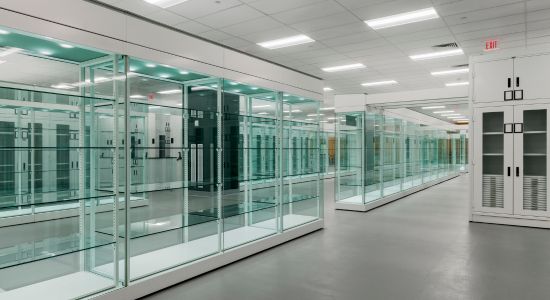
(342, 37)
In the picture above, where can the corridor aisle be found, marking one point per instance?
(419, 247)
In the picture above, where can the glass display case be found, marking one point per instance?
(301, 189)
(115, 168)
(381, 157)
(59, 157)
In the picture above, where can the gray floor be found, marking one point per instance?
(419, 247)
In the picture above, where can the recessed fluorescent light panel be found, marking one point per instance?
(451, 72)
(169, 92)
(344, 68)
(377, 83)
(327, 89)
(444, 111)
(326, 108)
(165, 3)
(433, 107)
(63, 86)
(66, 46)
(437, 54)
(404, 18)
(287, 42)
(457, 83)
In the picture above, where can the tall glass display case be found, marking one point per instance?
(115, 169)
(59, 158)
(381, 157)
(350, 157)
(302, 199)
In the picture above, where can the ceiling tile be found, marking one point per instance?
(325, 22)
(258, 25)
(276, 6)
(198, 9)
(317, 10)
(231, 16)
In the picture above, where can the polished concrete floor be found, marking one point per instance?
(419, 247)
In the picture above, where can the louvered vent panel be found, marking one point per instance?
(493, 191)
(534, 193)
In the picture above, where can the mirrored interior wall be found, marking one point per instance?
(114, 168)
(380, 154)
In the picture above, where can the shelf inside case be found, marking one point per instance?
(29, 251)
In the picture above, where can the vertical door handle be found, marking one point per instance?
(509, 169)
(517, 81)
(509, 82)
(517, 171)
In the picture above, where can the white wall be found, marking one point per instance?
(95, 26)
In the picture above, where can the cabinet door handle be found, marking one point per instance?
(517, 171)
(509, 82)
(517, 81)
(509, 171)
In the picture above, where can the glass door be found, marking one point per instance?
(493, 161)
(531, 162)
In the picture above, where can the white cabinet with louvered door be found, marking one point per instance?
(493, 160)
(493, 81)
(531, 160)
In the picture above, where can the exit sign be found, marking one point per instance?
(491, 45)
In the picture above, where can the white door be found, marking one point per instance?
(531, 160)
(493, 160)
(531, 76)
(492, 79)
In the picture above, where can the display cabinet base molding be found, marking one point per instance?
(354, 203)
(174, 276)
(539, 222)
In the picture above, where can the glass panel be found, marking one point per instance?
(373, 174)
(251, 151)
(301, 180)
(493, 159)
(350, 146)
(534, 160)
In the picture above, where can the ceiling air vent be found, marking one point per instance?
(446, 45)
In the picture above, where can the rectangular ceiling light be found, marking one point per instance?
(327, 89)
(287, 42)
(165, 3)
(169, 92)
(457, 83)
(451, 72)
(344, 68)
(326, 108)
(376, 83)
(437, 54)
(403, 18)
(63, 86)
(433, 107)
(456, 117)
(444, 111)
